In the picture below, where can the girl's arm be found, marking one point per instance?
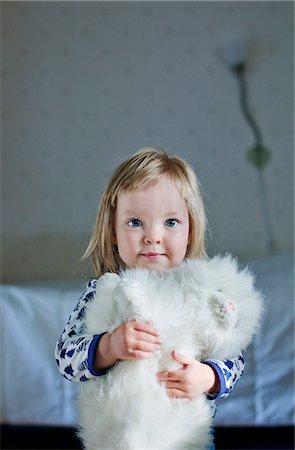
(131, 340)
(214, 378)
(75, 349)
(81, 356)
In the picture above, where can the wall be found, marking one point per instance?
(85, 84)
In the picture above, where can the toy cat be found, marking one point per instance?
(205, 309)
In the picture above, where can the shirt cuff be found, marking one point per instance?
(91, 356)
(222, 386)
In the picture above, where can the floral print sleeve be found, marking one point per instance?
(75, 349)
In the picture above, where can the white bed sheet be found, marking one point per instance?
(33, 392)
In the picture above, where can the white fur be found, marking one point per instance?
(203, 309)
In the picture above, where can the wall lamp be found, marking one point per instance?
(235, 56)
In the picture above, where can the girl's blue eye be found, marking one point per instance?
(135, 223)
(171, 223)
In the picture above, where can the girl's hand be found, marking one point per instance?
(190, 381)
(134, 340)
(131, 340)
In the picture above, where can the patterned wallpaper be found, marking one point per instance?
(86, 84)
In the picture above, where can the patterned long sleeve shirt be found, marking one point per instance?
(75, 351)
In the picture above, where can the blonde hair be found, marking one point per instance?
(147, 166)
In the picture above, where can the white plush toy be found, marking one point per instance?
(203, 309)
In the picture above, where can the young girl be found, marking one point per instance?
(150, 216)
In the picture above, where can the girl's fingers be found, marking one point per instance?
(146, 337)
(177, 393)
(145, 346)
(182, 359)
(136, 340)
(138, 354)
(170, 376)
(145, 327)
(175, 385)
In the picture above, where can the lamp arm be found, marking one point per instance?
(240, 73)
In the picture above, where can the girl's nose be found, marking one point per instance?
(152, 237)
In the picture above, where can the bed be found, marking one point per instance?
(38, 405)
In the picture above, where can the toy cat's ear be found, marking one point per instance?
(108, 280)
(224, 310)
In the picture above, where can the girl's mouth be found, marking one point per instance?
(152, 255)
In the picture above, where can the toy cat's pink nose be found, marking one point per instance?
(232, 306)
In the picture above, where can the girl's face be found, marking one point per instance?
(152, 227)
